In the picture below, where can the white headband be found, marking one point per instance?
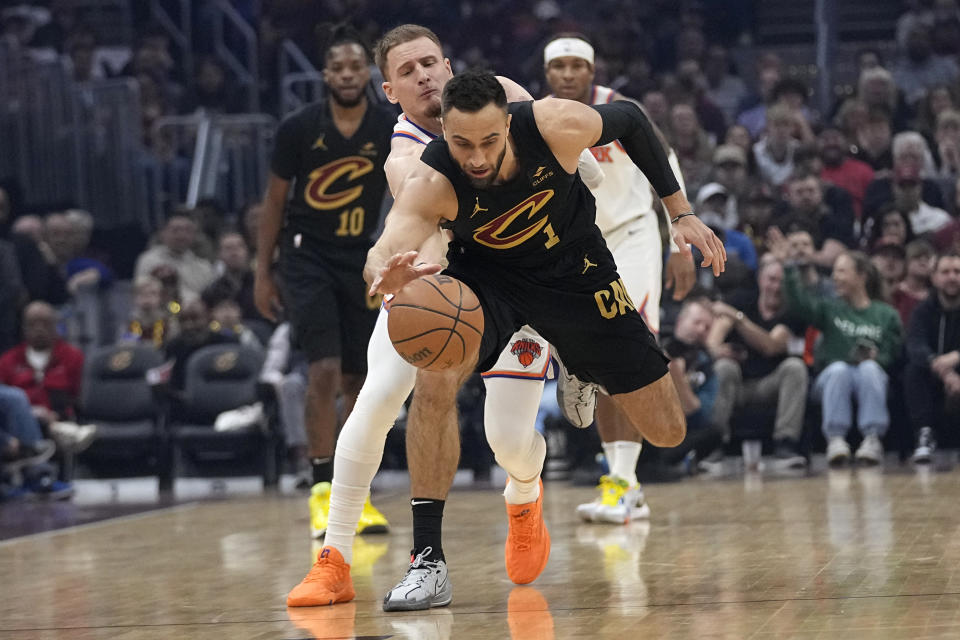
(568, 47)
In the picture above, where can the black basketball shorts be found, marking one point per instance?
(577, 302)
(326, 300)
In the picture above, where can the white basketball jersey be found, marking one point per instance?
(625, 192)
(407, 129)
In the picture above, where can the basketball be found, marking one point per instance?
(435, 322)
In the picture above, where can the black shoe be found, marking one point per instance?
(787, 455)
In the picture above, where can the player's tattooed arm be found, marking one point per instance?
(427, 198)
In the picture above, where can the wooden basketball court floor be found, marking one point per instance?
(847, 554)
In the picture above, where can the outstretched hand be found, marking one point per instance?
(399, 271)
(691, 230)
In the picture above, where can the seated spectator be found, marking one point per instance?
(658, 108)
(749, 341)
(920, 69)
(176, 238)
(774, 152)
(947, 137)
(840, 169)
(236, 281)
(876, 89)
(724, 89)
(730, 171)
(890, 259)
(689, 89)
(754, 114)
(757, 213)
(908, 195)
(195, 333)
(939, 99)
(874, 135)
(691, 369)
(892, 224)
(286, 370)
(23, 450)
(830, 221)
(210, 90)
(694, 150)
(12, 294)
(801, 252)
(932, 380)
(150, 321)
(915, 285)
(225, 319)
(68, 236)
(861, 340)
(910, 155)
(712, 209)
(50, 372)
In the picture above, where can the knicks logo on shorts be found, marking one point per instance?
(494, 234)
(322, 180)
(527, 351)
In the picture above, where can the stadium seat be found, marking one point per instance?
(222, 378)
(117, 398)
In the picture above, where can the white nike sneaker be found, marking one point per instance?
(426, 585)
(577, 399)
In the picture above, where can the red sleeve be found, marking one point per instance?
(76, 372)
(6, 368)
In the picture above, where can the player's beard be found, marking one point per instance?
(483, 183)
(343, 102)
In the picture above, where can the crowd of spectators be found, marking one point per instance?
(841, 226)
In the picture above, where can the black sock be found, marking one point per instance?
(427, 521)
(322, 469)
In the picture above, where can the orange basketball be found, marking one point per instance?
(435, 322)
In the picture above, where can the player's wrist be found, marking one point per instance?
(681, 216)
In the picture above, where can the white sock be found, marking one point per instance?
(610, 452)
(625, 460)
(346, 505)
(522, 492)
(360, 443)
(509, 418)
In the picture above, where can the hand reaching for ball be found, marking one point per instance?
(399, 271)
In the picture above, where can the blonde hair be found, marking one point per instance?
(400, 35)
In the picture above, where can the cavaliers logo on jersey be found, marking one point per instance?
(527, 351)
(494, 234)
(317, 192)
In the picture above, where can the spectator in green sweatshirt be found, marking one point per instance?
(861, 339)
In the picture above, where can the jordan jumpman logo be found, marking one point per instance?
(477, 208)
(587, 264)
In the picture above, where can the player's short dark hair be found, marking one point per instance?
(472, 91)
(330, 36)
(400, 35)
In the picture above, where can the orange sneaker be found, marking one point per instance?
(528, 541)
(327, 583)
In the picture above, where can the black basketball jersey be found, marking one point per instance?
(529, 220)
(338, 183)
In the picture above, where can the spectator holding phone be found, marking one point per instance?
(861, 339)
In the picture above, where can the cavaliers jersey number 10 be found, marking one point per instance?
(322, 192)
(339, 182)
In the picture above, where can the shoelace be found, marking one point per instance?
(523, 528)
(321, 568)
(419, 569)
